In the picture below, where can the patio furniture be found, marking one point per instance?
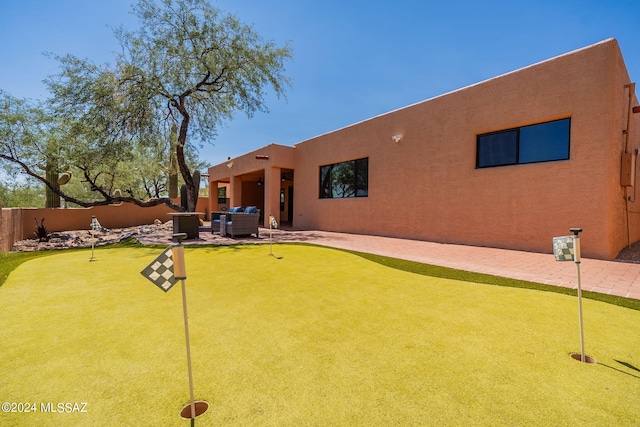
(223, 225)
(216, 220)
(236, 221)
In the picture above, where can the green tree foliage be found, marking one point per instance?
(197, 66)
(188, 65)
(34, 141)
(41, 144)
(21, 194)
(28, 143)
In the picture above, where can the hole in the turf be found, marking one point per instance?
(200, 408)
(587, 359)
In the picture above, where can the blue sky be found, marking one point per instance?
(353, 59)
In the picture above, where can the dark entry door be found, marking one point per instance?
(290, 204)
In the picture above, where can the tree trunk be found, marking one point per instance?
(184, 169)
(173, 167)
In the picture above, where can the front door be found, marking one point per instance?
(290, 205)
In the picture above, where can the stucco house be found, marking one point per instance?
(509, 162)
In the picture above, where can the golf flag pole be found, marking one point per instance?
(95, 226)
(576, 260)
(272, 224)
(164, 272)
(567, 248)
(180, 273)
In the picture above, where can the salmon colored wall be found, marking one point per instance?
(633, 193)
(201, 206)
(19, 223)
(427, 185)
(252, 195)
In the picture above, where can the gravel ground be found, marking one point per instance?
(85, 238)
(630, 254)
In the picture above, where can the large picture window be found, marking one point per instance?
(541, 142)
(345, 179)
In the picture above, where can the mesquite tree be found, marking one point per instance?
(196, 66)
(188, 64)
(51, 148)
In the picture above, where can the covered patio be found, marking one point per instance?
(261, 178)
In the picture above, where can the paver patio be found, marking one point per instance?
(608, 277)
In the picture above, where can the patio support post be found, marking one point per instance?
(235, 188)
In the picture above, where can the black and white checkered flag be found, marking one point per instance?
(563, 248)
(160, 271)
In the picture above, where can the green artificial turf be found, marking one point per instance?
(314, 336)
(9, 261)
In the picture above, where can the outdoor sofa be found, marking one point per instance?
(237, 221)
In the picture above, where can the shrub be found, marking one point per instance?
(41, 233)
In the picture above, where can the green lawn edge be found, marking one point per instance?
(11, 260)
(488, 279)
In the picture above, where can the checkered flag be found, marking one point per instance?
(95, 225)
(563, 248)
(160, 271)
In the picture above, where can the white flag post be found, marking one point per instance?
(164, 272)
(95, 226)
(576, 259)
(567, 248)
(272, 224)
(180, 273)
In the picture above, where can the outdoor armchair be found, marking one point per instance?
(240, 224)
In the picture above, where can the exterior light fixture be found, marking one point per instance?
(396, 138)
(259, 181)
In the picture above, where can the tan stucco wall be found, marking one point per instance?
(18, 223)
(201, 206)
(633, 193)
(427, 186)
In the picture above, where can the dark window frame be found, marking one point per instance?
(336, 182)
(485, 158)
(222, 195)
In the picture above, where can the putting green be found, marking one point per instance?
(314, 337)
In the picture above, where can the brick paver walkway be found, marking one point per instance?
(608, 277)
